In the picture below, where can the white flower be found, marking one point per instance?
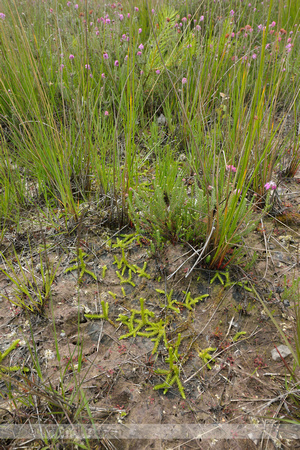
(49, 354)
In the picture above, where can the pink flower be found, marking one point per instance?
(105, 56)
(184, 19)
(128, 15)
(141, 72)
(121, 17)
(51, 10)
(140, 30)
(157, 71)
(153, 11)
(272, 24)
(270, 185)
(68, 3)
(141, 47)
(136, 9)
(61, 67)
(201, 19)
(116, 63)
(184, 80)
(71, 57)
(230, 168)
(88, 67)
(107, 20)
(231, 13)
(106, 113)
(97, 33)
(139, 53)
(2, 16)
(76, 6)
(103, 75)
(198, 28)
(254, 56)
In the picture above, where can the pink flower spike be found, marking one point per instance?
(2, 16)
(76, 6)
(106, 113)
(71, 57)
(141, 47)
(116, 63)
(140, 30)
(105, 56)
(136, 9)
(157, 71)
(139, 53)
(270, 185)
(184, 80)
(201, 19)
(103, 75)
(231, 13)
(230, 168)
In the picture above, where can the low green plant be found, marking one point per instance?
(29, 291)
(190, 302)
(81, 266)
(171, 214)
(172, 374)
(206, 357)
(3, 356)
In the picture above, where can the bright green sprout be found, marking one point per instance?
(172, 375)
(4, 354)
(104, 269)
(205, 356)
(142, 272)
(128, 239)
(241, 333)
(81, 265)
(135, 325)
(124, 280)
(189, 301)
(169, 299)
(124, 261)
(155, 329)
(218, 277)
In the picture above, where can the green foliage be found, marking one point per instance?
(29, 293)
(238, 335)
(206, 357)
(172, 215)
(4, 354)
(190, 302)
(81, 266)
(172, 374)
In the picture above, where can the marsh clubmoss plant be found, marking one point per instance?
(3, 356)
(125, 280)
(190, 302)
(104, 315)
(170, 301)
(206, 357)
(81, 266)
(172, 375)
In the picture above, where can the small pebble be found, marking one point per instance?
(283, 350)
